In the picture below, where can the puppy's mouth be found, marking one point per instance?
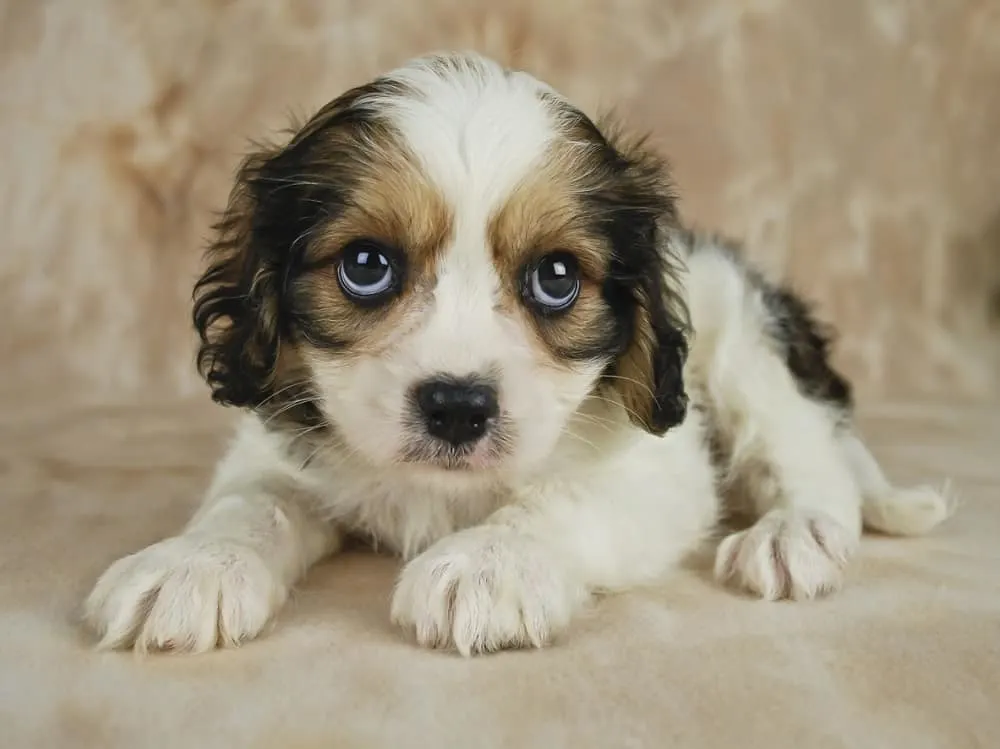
(484, 455)
(479, 455)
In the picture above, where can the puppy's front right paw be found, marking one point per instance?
(184, 594)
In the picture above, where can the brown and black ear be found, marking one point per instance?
(241, 310)
(649, 375)
(644, 284)
(237, 300)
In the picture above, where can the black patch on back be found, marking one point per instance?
(803, 340)
(806, 343)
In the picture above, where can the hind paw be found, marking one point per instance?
(786, 554)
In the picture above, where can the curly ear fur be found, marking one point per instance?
(236, 302)
(240, 302)
(648, 373)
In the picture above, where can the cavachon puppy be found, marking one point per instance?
(465, 324)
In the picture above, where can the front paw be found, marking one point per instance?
(482, 590)
(184, 594)
(786, 554)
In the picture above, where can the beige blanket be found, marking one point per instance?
(855, 146)
(907, 655)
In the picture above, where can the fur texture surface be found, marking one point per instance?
(467, 325)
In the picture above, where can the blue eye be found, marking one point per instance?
(554, 283)
(365, 271)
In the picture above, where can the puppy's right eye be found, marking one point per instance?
(366, 271)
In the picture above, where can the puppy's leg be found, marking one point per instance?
(786, 462)
(220, 581)
(613, 523)
(900, 511)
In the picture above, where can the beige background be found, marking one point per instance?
(854, 145)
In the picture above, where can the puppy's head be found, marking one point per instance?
(439, 268)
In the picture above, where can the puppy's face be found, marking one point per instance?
(439, 268)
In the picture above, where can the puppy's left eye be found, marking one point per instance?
(553, 284)
(365, 271)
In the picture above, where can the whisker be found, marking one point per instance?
(310, 456)
(574, 435)
(632, 381)
(299, 433)
(286, 388)
(344, 450)
(288, 407)
(606, 424)
(616, 403)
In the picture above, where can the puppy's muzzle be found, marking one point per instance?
(456, 411)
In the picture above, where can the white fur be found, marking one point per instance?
(477, 129)
(587, 502)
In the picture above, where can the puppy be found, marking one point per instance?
(465, 323)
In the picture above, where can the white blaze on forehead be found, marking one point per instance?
(477, 128)
(462, 335)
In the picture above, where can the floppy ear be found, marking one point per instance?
(240, 306)
(237, 299)
(649, 372)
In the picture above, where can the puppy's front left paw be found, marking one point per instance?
(485, 589)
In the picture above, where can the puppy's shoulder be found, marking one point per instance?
(256, 453)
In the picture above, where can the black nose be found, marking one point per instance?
(456, 411)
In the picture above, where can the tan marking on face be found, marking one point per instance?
(545, 214)
(392, 202)
(635, 376)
